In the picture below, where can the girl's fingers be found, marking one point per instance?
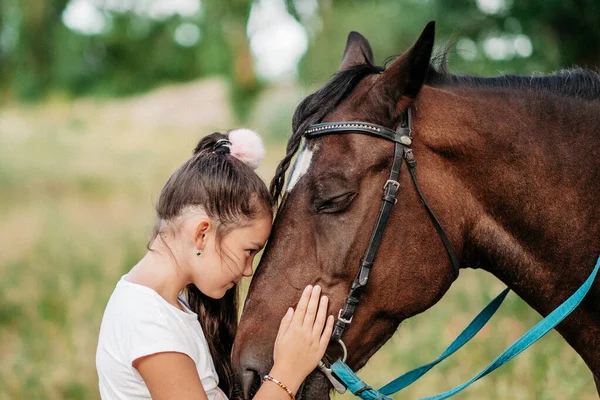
(298, 317)
(285, 322)
(324, 341)
(311, 309)
(321, 317)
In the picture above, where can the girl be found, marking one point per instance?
(213, 216)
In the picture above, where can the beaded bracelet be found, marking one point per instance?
(281, 385)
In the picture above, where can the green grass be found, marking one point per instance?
(77, 186)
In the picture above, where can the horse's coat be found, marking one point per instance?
(510, 165)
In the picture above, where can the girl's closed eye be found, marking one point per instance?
(256, 247)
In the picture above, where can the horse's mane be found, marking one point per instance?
(575, 82)
(578, 83)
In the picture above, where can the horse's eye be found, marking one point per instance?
(334, 204)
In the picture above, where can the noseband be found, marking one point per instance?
(402, 139)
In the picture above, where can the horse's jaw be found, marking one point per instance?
(315, 387)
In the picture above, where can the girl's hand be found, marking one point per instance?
(302, 338)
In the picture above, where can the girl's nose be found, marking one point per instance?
(248, 270)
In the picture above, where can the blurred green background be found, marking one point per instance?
(101, 99)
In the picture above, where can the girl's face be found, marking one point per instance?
(222, 265)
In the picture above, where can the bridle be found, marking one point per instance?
(402, 138)
(339, 373)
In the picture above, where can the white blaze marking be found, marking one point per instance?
(301, 168)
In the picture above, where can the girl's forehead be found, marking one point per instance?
(255, 226)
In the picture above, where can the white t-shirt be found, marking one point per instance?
(138, 322)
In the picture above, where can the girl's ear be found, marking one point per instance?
(202, 229)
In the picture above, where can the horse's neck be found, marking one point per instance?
(530, 168)
(530, 163)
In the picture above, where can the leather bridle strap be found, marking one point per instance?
(402, 141)
(411, 162)
(389, 198)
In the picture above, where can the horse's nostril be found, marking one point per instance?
(251, 382)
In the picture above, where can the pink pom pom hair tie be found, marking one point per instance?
(246, 146)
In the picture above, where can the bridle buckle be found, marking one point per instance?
(391, 182)
(344, 320)
(390, 189)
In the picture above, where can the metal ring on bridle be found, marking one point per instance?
(344, 349)
(337, 385)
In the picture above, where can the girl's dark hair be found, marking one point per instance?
(230, 193)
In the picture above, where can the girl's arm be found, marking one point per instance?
(171, 376)
(300, 344)
(174, 376)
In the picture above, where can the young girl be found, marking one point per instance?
(213, 216)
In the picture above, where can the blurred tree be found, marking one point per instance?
(4, 70)
(573, 27)
(563, 33)
(31, 58)
(390, 27)
(489, 37)
(225, 25)
(135, 54)
(137, 49)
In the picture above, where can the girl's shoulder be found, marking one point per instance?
(129, 302)
(138, 322)
(132, 303)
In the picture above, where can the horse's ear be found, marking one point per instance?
(358, 51)
(405, 77)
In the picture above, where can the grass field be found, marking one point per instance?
(77, 186)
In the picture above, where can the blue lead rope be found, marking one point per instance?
(364, 391)
(474, 327)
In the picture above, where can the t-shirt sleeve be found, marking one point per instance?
(219, 395)
(150, 333)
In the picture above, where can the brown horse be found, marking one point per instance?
(510, 166)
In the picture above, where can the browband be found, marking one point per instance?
(402, 135)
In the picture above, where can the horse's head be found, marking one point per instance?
(328, 213)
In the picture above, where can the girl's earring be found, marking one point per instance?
(198, 253)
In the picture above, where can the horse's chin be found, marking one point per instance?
(315, 387)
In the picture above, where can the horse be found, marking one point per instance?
(509, 165)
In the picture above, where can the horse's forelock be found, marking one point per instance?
(313, 109)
